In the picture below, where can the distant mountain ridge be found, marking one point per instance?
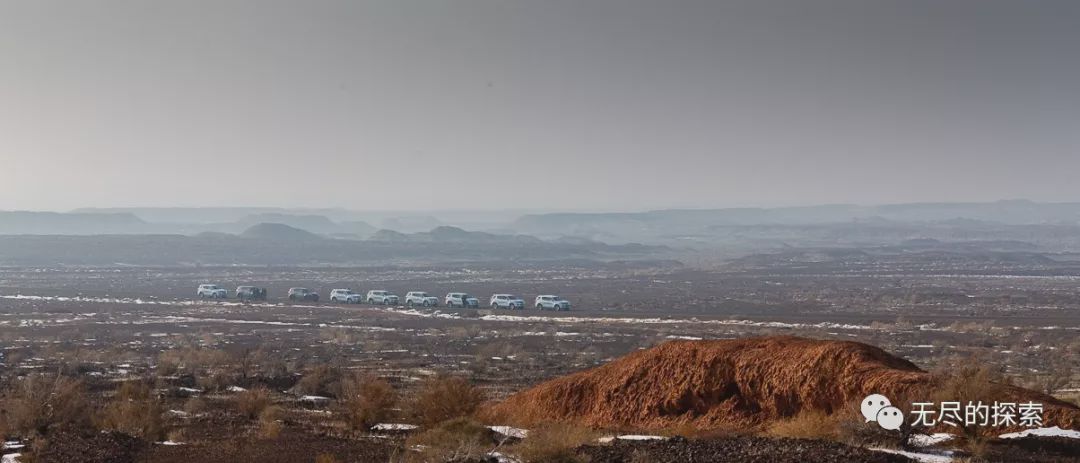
(68, 223)
(448, 234)
(278, 232)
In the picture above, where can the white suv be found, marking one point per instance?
(212, 292)
(345, 295)
(507, 301)
(377, 296)
(551, 302)
(462, 300)
(420, 298)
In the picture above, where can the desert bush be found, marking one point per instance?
(39, 403)
(252, 402)
(270, 424)
(442, 398)
(191, 360)
(553, 443)
(135, 411)
(326, 458)
(972, 380)
(323, 380)
(177, 435)
(456, 440)
(215, 381)
(196, 405)
(366, 400)
(809, 424)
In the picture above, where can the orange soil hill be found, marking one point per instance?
(730, 384)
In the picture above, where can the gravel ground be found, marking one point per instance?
(735, 450)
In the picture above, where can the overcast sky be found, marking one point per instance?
(549, 104)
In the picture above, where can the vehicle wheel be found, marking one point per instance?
(410, 304)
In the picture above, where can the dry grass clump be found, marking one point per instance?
(270, 423)
(326, 458)
(809, 424)
(252, 402)
(323, 380)
(553, 443)
(39, 403)
(366, 400)
(452, 441)
(974, 381)
(442, 398)
(196, 405)
(191, 360)
(135, 410)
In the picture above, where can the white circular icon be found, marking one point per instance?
(890, 418)
(872, 404)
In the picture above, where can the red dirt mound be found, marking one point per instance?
(745, 383)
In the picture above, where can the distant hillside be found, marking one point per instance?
(278, 232)
(56, 223)
(1015, 212)
(276, 244)
(749, 383)
(997, 221)
(447, 234)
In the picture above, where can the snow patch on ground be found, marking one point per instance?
(920, 457)
(1043, 432)
(394, 427)
(510, 431)
(923, 440)
(609, 439)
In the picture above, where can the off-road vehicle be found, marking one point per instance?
(250, 293)
(506, 301)
(461, 300)
(303, 294)
(551, 302)
(212, 292)
(378, 296)
(420, 298)
(346, 296)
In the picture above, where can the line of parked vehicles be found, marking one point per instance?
(383, 297)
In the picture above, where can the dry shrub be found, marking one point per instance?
(973, 381)
(442, 398)
(177, 435)
(553, 443)
(196, 405)
(809, 424)
(366, 400)
(40, 403)
(252, 402)
(456, 440)
(326, 458)
(323, 380)
(135, 411)
(216, 381)
(191, 360)
(270, 424)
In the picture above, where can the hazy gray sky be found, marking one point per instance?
(554, 104)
